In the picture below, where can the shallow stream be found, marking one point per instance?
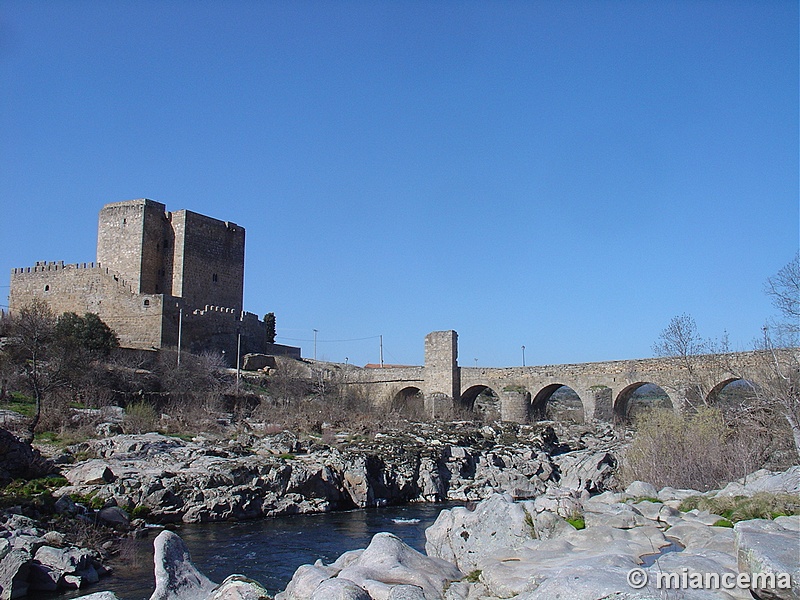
(268, 550)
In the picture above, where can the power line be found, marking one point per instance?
(374, 337)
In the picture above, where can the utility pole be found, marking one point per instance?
(381, 351)
(315, 344)
(180, 332)
(238, 359)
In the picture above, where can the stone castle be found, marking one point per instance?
(159, 276)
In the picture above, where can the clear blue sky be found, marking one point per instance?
(566, 176)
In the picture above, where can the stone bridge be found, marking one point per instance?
(605, 389)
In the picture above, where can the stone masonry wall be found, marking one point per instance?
(209, 261)
(89, 287)
(121, 237)
(441, 364)
(217, 329)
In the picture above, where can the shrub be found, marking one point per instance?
(578, 522)
(140, 417)
(473, 576)
(140, 512)
(683, 451)
(21, 489)
(763, 505)
(531, 525)
(722, 523)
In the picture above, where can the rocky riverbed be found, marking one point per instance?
(540, 523)
(527, 550)
(124, 479)
(173, 480)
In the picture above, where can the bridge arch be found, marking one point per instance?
(734, 392)
(567, 398)
(639, 396)
(482, 400)
(409, 402)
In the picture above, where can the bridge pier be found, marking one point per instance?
(598, 403)
(515, 405)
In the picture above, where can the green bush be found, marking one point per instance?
(21, 488)
(473, 576)
(90, 500)
(722, 523)
(645, 499)
(578, 522)
(140, 512)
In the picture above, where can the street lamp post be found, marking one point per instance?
(180, 331)
(238, 358)
(523, 356)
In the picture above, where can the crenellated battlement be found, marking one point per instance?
(44, 266)
(43, 270)
(215, 309)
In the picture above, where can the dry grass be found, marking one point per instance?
(740, 508)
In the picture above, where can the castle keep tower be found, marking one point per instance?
(129, 242)
(156, 272)
(181, 254)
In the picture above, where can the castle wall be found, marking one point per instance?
(208, 261)
(161, 272)
(217, 329)
(89, 287)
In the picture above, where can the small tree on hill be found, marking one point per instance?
(85, 335)
(47, 354)
(30, 350)
(703, 360)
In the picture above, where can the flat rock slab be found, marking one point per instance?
(764, 546)
(93, 472)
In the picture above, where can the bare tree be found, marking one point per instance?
(704, 360)
(679, 338)
(779, 369)
(32, 333)
(778, 384)
(783, 288)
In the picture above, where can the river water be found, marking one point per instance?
(268, 550)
